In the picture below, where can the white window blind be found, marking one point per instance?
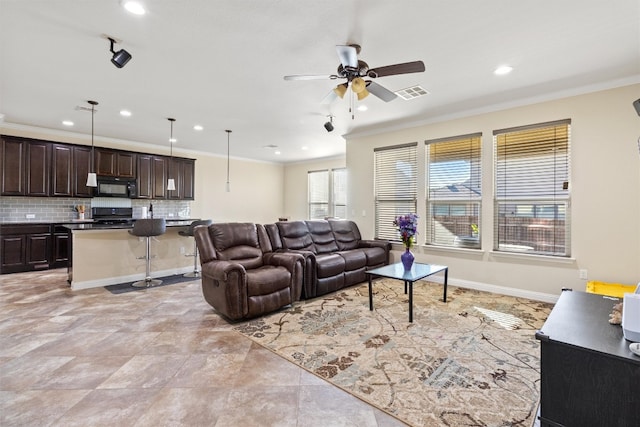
(327, 193)
(318, 193)
(532, 198)
(339, 199)
(454, 196)
(395, 187)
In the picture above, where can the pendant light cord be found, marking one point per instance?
(228, 134)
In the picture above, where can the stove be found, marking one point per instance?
(112, 215)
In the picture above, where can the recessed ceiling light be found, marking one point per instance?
(362, 108)
(305, 148)
(502, 70)
(197, 127)
(67, 122)
(173, 140)
(278, 153)
(134, 7)
(125, 113)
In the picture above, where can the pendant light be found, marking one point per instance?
(228, 186)
(91, 176)
(171, 184)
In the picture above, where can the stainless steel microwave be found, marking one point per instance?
(116, 187)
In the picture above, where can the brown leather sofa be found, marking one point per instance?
(335, 255)
(242, 277)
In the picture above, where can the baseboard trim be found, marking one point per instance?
(502, 290)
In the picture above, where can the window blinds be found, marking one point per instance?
(454, 178)
(532, 197)
(395, 187)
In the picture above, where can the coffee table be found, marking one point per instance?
(418, 271)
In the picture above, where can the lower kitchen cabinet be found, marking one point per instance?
(30, 247)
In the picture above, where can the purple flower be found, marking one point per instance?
(407, 226)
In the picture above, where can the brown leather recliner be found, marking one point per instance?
(241, 275)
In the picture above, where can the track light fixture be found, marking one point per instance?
(121, 57)
(329, 125)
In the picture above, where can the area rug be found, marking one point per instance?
(473, 361)
(122, 288)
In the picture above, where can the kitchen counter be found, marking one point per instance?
(107, 254)
(171, 222)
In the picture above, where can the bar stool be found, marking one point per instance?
(189, 233)
(148, 228)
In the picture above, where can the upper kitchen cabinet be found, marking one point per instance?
(70, 165)
(115, 163)
(159, 182)
(25, 167)
(188, 174)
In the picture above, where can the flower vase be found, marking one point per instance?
(407, 259)
(81, 216)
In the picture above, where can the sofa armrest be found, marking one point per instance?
(221, 270)
(294, 263)
(384, 244)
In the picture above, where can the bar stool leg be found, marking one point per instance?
(195, 272)
(148, 281)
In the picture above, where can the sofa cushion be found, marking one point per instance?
(328, 265)
(375, 256)
(322, 236)
(237, 242)
(346, 234)
(295, 235)
(354, 259)
(266, 280)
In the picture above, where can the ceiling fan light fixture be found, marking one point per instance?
(340, 90)
(362, 94)
(358, 85)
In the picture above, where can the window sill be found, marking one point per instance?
(453, 250)
(532, 257)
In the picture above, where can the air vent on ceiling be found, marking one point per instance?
(412, 92)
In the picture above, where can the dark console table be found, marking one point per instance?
(589, 377)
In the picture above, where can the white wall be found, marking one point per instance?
(295, 184)
(605, 193)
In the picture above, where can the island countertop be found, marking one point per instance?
(171, 222)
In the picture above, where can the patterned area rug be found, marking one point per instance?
(473, 361)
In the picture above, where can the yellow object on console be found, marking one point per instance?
(610, 289)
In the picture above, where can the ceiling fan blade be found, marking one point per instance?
(311, 77)
(348, 56)
(390, 70)
(381, 92)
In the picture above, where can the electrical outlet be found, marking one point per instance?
(583, 274)
(31, 216)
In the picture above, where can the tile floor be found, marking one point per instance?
(155, 357)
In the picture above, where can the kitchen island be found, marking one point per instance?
(106, 254)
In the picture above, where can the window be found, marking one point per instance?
(454, 191)
(532, 200)
(395, 182)
(322, 202)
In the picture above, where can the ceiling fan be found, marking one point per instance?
(356, 72)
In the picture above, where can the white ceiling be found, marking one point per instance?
(220, 64)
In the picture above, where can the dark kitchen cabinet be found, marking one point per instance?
(80, 170)
(145, 176)
(25, 247)
(61, 170)
(37, 168)
(60, 247)
(115, 163)
(188, 178)
(13, 164)
(25, 167)
(159, 179)
(174, 170)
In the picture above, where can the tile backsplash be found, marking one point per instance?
(55, 209)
